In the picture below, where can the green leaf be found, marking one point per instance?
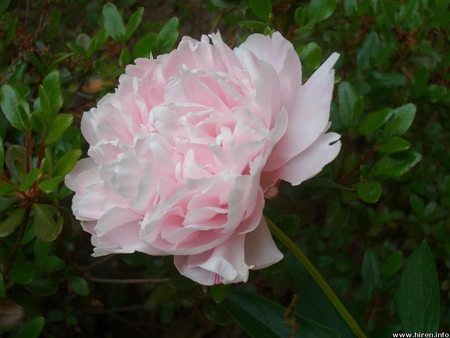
(84, 41)
(30, 179)
(263, 318)
(4, 5)
(6, 188)
(44, 107)
(370, 271)
(97, 42)
(252, 24)
(300, 16)
(42, 249)
(374, 121)
(163, 294)
(388, 80)
(51, 264)
(77, 49)
(133, 23)
(59, 58)
(418, 293)
(392, 264)
(145, 46)
(41, 285)
(393, 145)
(325, 183)
(12, 222)
(311, 57)
(337, 214)
(368, 50)
(2, 287)
(113, 22)
(10, 102)
(2, 155)
(319, 10)
(79, 285)
(313, 303)
(22, 272)
(66, 163)
(52, 86)
(15, 160)
(402, 118)
(226, 3)
(369, 191)
(350, 7)
(6, 202)
(47, 223)
(34, 61)
(125, 57)
(219, 292)
(59, 125)
(420, 80)
(168, 36)
(408, 9)
(215, 313)
(33, 328)
(435, 93)
(49, 184)
(262, 8)
(395, 165)
(417, 205)
(350, 105)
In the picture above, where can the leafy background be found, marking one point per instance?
(376, 222)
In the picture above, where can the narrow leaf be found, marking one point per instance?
(145, 46)
(374, 121)
(392, 264)
(113, 22)
(168, 36)
(371, 268)
(66, 163)
(10, 101)
(133, 23)
(30, 179)
(263, 318)
(393, 145)
(402, 118)
(52, 86)
(348, 105)
(59, 125)
(418, 293)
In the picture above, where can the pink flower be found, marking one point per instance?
(183, 152)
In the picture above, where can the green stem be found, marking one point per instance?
(317, 277)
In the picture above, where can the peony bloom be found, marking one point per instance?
(182, 154)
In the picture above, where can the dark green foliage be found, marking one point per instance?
(375, 222)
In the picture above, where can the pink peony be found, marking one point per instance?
(182, 154)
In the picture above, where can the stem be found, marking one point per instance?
(283, 16)
(361, 162)
(317, 277)
(347, 149)
(41, 153)
(16, 246)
